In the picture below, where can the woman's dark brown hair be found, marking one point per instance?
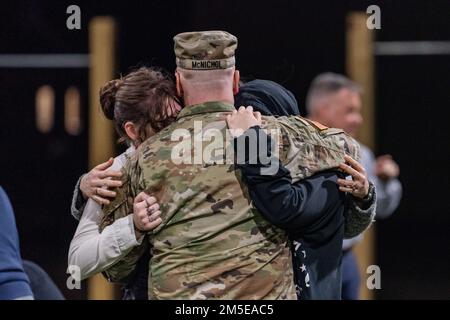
(142, 97)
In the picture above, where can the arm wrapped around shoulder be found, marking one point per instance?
(306, 147)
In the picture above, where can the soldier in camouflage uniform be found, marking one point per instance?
(213, 243)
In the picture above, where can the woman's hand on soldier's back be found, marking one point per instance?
(96, 182)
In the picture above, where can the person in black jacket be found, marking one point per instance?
(311, 210)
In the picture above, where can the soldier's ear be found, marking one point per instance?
(178, 84)
(236, 79)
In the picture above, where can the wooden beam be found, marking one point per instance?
(360, 68)
(102, 39)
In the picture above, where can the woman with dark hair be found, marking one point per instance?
(140, 104)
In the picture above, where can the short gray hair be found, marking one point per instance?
(328, 83)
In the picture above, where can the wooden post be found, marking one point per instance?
(102, 36)
(360, 68)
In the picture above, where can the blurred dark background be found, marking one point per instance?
(286, 41)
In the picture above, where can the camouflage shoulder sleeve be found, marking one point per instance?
(359, 216)
(122, 204)
(306, 148)
(120, 207)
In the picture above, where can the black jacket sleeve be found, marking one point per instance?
(299, 207)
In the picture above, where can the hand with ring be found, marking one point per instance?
(359, 185)
(146, 213)
(96, 182)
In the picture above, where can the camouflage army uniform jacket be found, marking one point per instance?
(212, 244)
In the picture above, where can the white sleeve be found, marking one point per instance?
(390, 194)
(92, 251)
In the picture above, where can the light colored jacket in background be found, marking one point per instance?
(389, 193)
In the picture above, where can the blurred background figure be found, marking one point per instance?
(335, 101)
(41, 284)
(20, 280)
(14, 283)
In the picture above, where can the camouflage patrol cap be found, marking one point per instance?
(205, 50)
